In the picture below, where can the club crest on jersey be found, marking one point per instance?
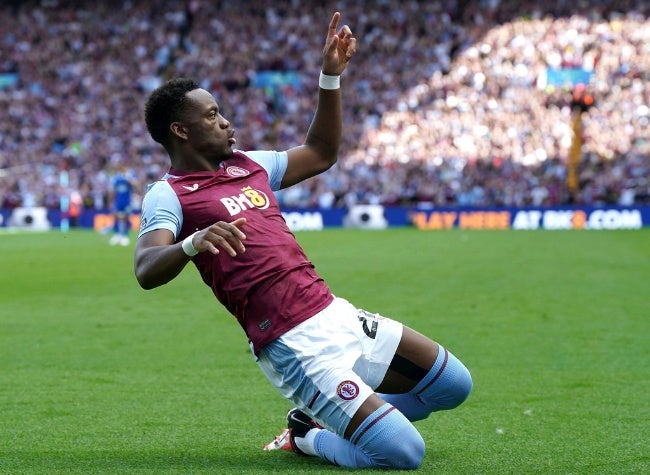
(249, 198)
(347, 390)
(236, 171)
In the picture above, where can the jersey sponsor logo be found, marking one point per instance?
(236, 171)
(347, 390)
(249, 198)
(194, 187)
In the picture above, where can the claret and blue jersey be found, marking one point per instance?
(273, 286)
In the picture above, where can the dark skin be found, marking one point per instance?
(205, 138)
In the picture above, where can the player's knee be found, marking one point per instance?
(459, 390)
(451, 389)
(389, 440)
(405, 452)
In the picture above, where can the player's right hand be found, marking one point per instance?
(221, 235)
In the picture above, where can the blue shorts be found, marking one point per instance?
(122, 208)
(330, 364)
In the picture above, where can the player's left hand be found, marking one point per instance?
(339, 47)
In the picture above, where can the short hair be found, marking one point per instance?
(165, 105)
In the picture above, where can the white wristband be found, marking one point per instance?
(329, 82)
(188, 247)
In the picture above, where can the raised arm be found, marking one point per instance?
(321, 147)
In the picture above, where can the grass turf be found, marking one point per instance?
(99, 376)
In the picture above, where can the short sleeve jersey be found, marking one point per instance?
(270, 288)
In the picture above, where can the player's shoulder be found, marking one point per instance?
(262, 155)
(160, 186)
(271, 160)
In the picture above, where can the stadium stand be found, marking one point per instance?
(448, 103)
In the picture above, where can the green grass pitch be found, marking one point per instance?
(100, 377)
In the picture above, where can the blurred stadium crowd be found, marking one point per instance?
(445, 103)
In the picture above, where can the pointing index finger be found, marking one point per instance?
(334, 23)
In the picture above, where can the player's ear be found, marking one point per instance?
(178, 129)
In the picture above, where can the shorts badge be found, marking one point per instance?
(347, 390)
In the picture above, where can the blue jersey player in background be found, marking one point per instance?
(121, 197)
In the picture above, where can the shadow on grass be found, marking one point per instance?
(159, 462)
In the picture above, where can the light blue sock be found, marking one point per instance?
(386, 439)
(445, 386)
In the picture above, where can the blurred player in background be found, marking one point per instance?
(357, 379)
(121, 196)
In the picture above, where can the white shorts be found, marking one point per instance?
(330, 364)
